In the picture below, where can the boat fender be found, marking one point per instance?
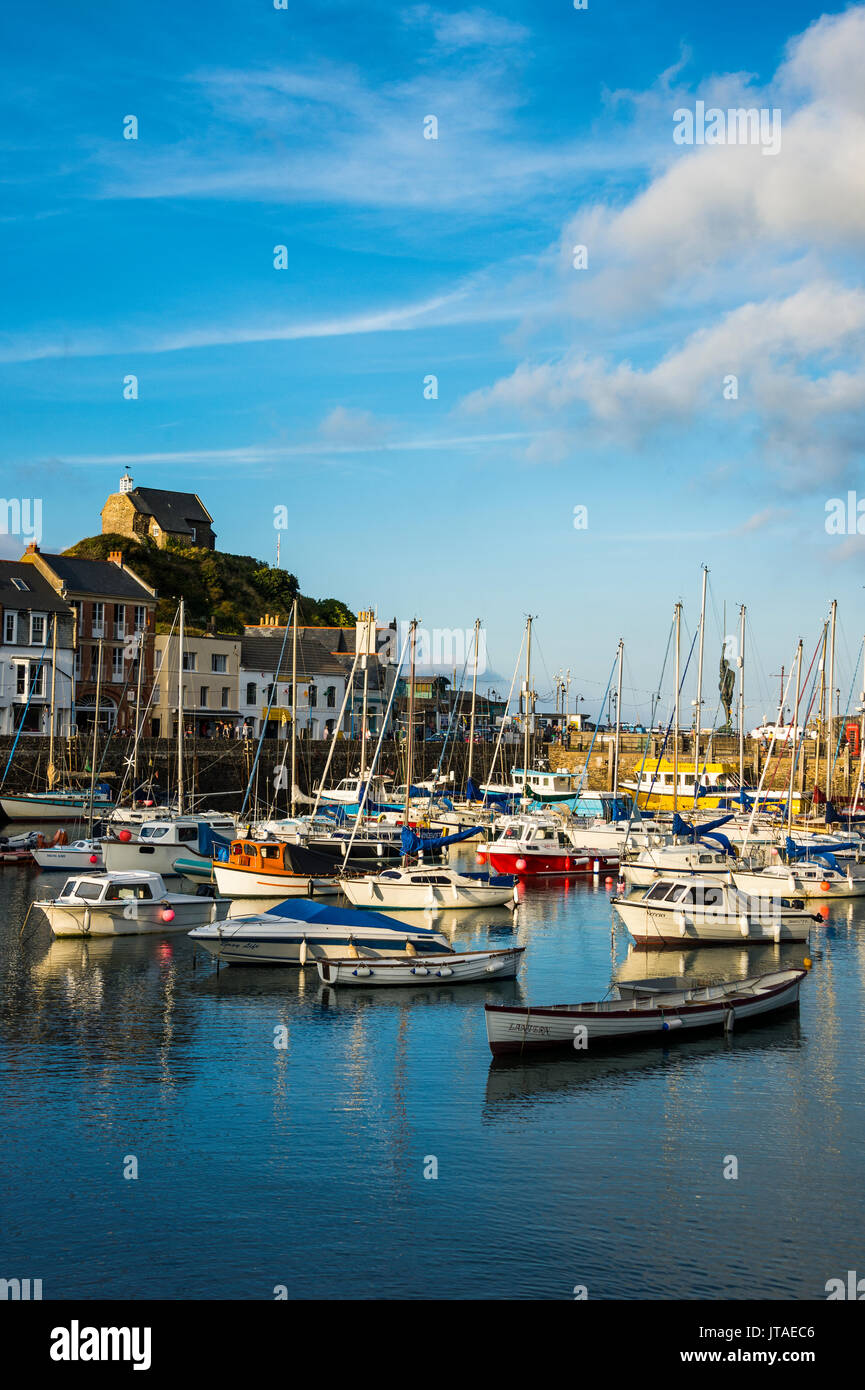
(363, 970)
(520, 865)
(680, 922)
(444, 972)
(494, 966)
(419, 970)
(304, 952)
(94, 859)
(671, 1023)
(167, 914)
(825, 887)
(744, 925)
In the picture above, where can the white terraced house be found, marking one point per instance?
(29, 609)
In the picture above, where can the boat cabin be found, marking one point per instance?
(137, 885)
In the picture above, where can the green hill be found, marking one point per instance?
(229, 590)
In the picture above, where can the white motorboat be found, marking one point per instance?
(461, 967)
(133, 817)
(806, 879)
(662, 860)
(427, 888)
(642, 1011)
(125, 904)
(677, 909)
(301, 931)
(81, 854)
(159, 844)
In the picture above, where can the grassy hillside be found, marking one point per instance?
(230, 589)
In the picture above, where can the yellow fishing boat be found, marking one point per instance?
(660, 789)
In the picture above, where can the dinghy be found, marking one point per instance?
(642, 1010)
(81, 854)
(461, 967)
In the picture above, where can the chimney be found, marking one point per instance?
(116, 557)
(32, 549)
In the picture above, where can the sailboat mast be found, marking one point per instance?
(180, 730)
(364, 663)
(678, 613)
(795, 733)
(140, 659)
(861, 734)
(95, 747)
(527, 704)
(409, 757)
(698, 709)
(830, 741)
(294, 709)
(474, 699)
(740, 662)
(618, 717)
(53, 711)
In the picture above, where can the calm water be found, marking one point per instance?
(304, 1166)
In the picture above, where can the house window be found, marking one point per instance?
(98, 619)
(10, 627)
(20, 584)
(140, 617)
(203, 693)
(117, 663)
(78, 664)
(226, 691)
(217, 663)
(251, 695)
(313, 697)
(119, 620)
(29, 681)
(189, 661)
(270, 691)
(155, 697)
(157, 658)
(37, 629)
(194, 534)
(330, 697)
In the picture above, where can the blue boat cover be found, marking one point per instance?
(307, 910)
(796, 852)
(703, 832)
(411, 842)
(209, 841)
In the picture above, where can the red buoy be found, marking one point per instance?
(125, 836)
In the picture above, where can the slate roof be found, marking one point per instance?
(174, 511)
(261, 653)
(100, 577)
(39, 595)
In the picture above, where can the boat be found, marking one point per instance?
(349, 793)
(668, 786)
(684, 908)
(18, 849)
(300, 931)
(160, 843)
(56, 805)
(125, 904)
(425, 888)
(81, 854)
(645, 1009)
(543, 846)
(810, 872)
(461, 967)
(662, 860)
(272, 869)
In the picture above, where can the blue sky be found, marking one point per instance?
(557, 387)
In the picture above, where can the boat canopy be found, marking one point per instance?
(796, 853)
(507, 800)
(411, 842)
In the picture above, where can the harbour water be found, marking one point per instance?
(381, 1154)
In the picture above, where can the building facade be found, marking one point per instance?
(211, 666)
(113, 628)
(36, 653)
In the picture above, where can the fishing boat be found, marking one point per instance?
(643, 1010)
(667, 786)
(301, 931)
(543, 846)
(272, 869)
(460, 968)
(681, 908)
(160, 843)
(81, 854)
(125, 904)
(427, 888)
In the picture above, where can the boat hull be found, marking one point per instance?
(251, 946)
(525, 864)
(237, 882)
(830, 885)
(145, 920)
(409, 897)
(44, 808)
(520, 1030)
